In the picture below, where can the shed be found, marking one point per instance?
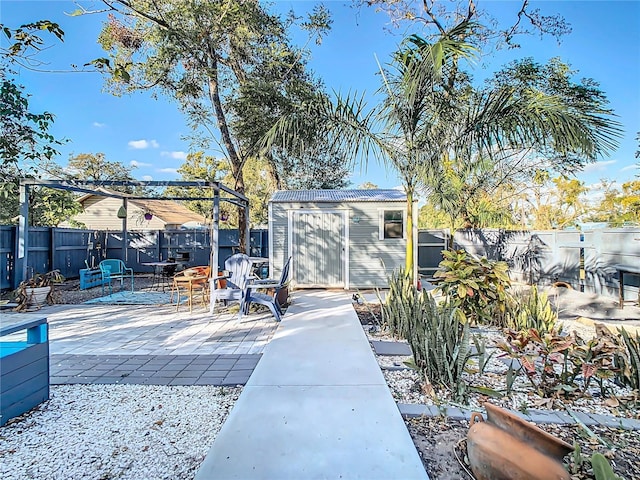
(338, 238)
(100, 212)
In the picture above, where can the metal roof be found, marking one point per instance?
(317, 196)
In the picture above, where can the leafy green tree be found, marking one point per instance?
(199, 166)
(618, 207)
(26, 146)
(431, 115)
(97, 168)
(200, 54)
(555, 202)
(436, 18)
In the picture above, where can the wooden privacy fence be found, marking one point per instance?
(69, 249)
(586, 260)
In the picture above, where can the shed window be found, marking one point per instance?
(392, 224)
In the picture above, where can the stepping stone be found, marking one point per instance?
(391, 348)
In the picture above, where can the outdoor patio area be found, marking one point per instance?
(101, 343)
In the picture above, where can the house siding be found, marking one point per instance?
(101, 213)
(370, 261)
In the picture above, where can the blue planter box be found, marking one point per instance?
(91, 277)
(24, 366)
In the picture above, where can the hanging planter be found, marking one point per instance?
(148, 216)
(224, 216)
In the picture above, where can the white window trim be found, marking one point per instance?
(381, 223)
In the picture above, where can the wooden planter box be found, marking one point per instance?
(24, 365)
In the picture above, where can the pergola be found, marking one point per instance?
(85, 186)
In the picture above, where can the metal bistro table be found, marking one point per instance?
(257, 264)
(162, 273)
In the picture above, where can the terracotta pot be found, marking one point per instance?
(37, 296)
(507, 447)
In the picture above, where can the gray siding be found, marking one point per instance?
(371, 260)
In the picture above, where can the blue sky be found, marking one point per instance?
(141, 131)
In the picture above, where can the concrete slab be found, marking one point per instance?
(322, 344)
(333, 432)
(316, 407)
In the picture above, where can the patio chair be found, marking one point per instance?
(233, 289)
(113, 269)
(191, 282)
(269, 301)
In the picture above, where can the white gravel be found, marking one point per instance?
(406, 386)
(115, 431)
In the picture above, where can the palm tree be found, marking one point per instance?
(426, 119)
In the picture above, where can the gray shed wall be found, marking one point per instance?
(371, 260)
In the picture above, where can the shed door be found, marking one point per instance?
(318, 249)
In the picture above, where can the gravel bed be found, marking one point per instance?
(406, 386)
(115, 431)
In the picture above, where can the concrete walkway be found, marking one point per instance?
(316, 406)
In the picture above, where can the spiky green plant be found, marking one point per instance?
(400, 305)
(533, 310)
(628, 362)
(439, 341)
(440, 344)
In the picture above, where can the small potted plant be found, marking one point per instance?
(34, 292)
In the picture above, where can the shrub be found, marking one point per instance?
(476, 287)
(533, 310)
(439, 342)
(627, 359)
(540, 354)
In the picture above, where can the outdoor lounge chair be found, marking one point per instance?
(232, 287)
(111, 269)
(269, 301)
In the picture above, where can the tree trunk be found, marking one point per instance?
(235, 161)
(273, 171)
(242, 219)
(408, 262)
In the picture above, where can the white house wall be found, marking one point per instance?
(101, 213)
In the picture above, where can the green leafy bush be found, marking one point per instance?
(552, 362)
(477, 288)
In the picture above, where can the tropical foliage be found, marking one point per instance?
(433, 126)
(477, 288)
(219, 61)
